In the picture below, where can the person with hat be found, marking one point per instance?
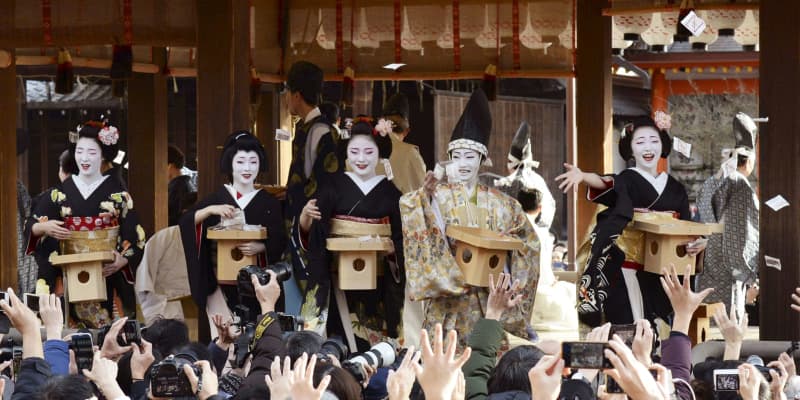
(731, 261)
(91, 200)
(243, 159)
(314, 157)
(431, 270)
(408, 167)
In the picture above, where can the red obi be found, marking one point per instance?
(90, 223)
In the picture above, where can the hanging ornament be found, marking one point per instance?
(632, 25)
(348, 86)
(726, 21)
(618, 42)
(255, 86)
(490, 82)
(708, 36)
(683, 33)
(121, 62)
(659, 36)
(65, 75)
(747, 33)
(529, 37)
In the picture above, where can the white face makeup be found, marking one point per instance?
(245, 168)
(465, 166)
(362, 155)
(89, 158)
(646, 148)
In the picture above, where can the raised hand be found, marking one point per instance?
(309, 214)
(439, 370)
(210, 384)
(684, 300)
(545, 378)
(502, 296)
(303, 384)
(643, 342)
(111, 349)
(51, 315)
(141, 359)
(280, 380)
(571, 179)
(401, 380)
(267, 295)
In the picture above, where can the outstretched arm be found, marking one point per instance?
(573, 177)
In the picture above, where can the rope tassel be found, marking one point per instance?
(65, 76)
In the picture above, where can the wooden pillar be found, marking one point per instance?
(147, 146)
(593, 101)
(222, 83)
(8, 176)
(266, 122)
(658, 102)
(779, 167)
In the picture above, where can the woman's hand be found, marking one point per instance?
(571, 179)
(226, 334)
(400, 381)
(545, 378)
(223, 210)
(111, 349)
(429, 184)
(252, 248)
(439, 370)
(643, 342)
(51, 315)
(309, 214)
(502, 296)
(118, 263)
(696, 246)
(53, 228)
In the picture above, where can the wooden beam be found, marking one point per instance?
(628, 10)
(779, 168)
(8, 177)
(646, 59)
(147, 146)
(593, 97)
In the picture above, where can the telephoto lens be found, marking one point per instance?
(283, 271)
(335, 347)
(380, 355)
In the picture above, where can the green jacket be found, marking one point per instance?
(484, 341)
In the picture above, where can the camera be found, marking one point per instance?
(247, 328)
(168, 378)
(9, 351)
(81, 344)
(130, 333)
(626, 332)
(726, 380)
(31, 301)
(335, 347)
(379, 356)
(587, 355)
(283, 272)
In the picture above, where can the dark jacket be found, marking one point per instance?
(267, 344)
(484, 341)
(676, 355)
(33, 374)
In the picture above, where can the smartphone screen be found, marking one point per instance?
(32, 301)
(587, 355)
(626, 332)
(726, 380)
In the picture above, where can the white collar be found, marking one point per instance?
(312, 114)
(87, 189)
(658, 182)
(368, 185)
(245, 199)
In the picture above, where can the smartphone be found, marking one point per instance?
(83, 347)
(589, 355)
(626, 332)
(31, 301)
(4, 296)
(726, 380)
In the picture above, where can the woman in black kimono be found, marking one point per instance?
(614, 285)
(366, 197)
(243, 157)
(92, 201)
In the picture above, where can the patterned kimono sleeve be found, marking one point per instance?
(431, 269)
(47, 209)
(740, 235)
(524, 267)
(131, 234)
(326, 164)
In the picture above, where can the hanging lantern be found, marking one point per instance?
(407, 39)
(633, 25)
(725, 21)
(709, 35)
(565, 38)
(618, 42)
(363, 38)
(65, 77)
(348, 85)
(489, 85)
(658, 36)
(322, 37)
(747, 33)
(550, 18)
(487, 39)
(445, 40)
(529, 37)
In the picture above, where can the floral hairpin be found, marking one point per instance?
(663, 120)
(384, 127)
(109, 135)
(627, 129)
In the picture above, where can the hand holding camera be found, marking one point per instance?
(204, 386)
(141, 359)
(111, 348)
(779, 376)
(631, 375)
(642, 345)
(749, 381)
(439, 370)
(268, 294)
(104, 376)
(227, 335)
(545, 377)
(52, 315)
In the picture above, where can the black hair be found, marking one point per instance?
(252, 392)
(511, 372)
(741, 160)
(643, 121)
(364, 126)
(241, 141)
(307, 79)
(330, 111)
(300, 342)
(66, 161)
(91, 130)
(66, 387)
(530, 200)
(175, 156)
(195, 349)
(343, 384)
(167, 335)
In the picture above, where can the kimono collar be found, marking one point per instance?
(87, 189)
(658, 182)
(241, 199)
(314, 113)
(368, 185)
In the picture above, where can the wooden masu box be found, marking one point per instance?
(481, 252)
(229, 258)
(356, 245)
(84, 275)
(665, 242)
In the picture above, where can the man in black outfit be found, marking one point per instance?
(181, 193)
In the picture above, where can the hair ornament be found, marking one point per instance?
(384, 127)
(627, 129)
(663, 120)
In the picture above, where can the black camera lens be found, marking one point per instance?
(168, 378)
(334, 346)
(283, 272)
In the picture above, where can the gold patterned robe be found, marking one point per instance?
(431, 269)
